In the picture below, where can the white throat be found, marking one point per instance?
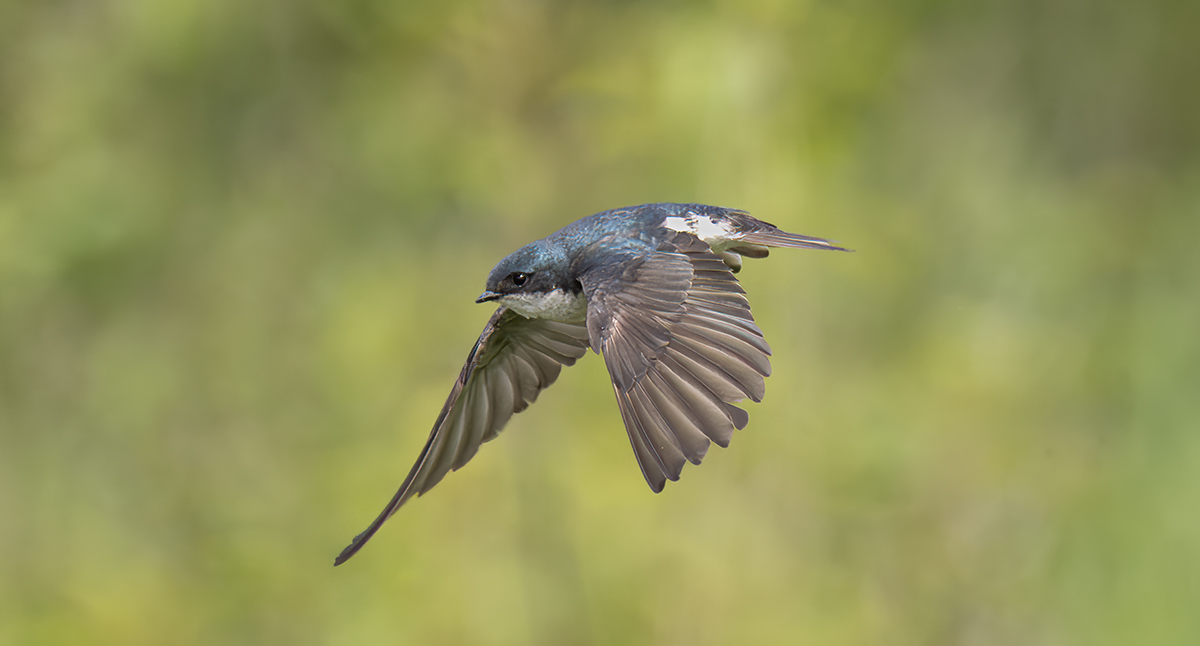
(555, 305)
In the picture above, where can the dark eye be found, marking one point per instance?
(519, 278)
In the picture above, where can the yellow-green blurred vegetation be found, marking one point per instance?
(240, 241)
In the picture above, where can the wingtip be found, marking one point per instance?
(346, 553)
(354, 546)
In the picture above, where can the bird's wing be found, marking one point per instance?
(681, 346)
(513, 360)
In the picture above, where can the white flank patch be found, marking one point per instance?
(679, 224)
(555, 305)
(710, 230)
(714, 232)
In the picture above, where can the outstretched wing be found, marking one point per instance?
(681, 346)
(513, 360)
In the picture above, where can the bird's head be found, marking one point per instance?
(525, 271)
(533, 281)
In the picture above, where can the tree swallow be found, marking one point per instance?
(649, 287)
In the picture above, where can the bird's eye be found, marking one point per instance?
(519, 278)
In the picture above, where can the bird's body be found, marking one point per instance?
(651, 288)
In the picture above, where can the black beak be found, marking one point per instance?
(487, 296)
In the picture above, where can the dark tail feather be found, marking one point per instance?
(778, 238)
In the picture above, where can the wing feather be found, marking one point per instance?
(513, 360)
(681, 346)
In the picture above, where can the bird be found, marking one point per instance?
(651, 288)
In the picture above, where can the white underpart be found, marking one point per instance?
(555, 305)
(717, 233)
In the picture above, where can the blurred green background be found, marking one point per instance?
(240, 241)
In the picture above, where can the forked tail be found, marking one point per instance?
(780, 238)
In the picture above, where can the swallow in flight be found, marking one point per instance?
(652, 289)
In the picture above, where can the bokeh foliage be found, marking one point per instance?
(239, 243)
